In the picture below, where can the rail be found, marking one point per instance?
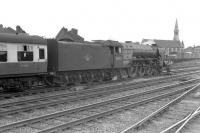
(82, 108)
(144, 120)
(182, 123)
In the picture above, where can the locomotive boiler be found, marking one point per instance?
(142, 59)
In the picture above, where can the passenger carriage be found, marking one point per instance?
(23, 59)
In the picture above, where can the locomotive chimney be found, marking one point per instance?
(74, 31)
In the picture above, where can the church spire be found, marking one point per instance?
(176, 32)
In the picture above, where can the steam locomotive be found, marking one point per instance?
(32, 60)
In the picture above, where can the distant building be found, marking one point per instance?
(72, 35)
(176, 32)
(172, 48)
(9, 30)
(192, 52)
(6, 30)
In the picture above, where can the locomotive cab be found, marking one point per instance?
(115, 52)
(117, 56)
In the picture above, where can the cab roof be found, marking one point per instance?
(108, 43)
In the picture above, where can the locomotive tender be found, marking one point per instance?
(83, 62)
(32, 60)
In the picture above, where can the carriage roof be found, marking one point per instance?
(22, 38)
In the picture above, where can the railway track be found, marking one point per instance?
(186, 64)
(43, 101)
(195, 68)
(75, 96)
(180, 124)
(71, 96)
(182, 66)
(43, 91)
(92, 110)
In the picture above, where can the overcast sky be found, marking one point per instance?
(122, 20)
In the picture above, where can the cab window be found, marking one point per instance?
(118, 50)
(112, 50)
(25, 53)
(3, 53)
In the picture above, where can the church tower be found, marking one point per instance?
(176, 32)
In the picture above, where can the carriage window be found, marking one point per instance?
(3, 53)
(25, 56)
(41, 54)
(25, 48)
(3, 56)
(25, 53)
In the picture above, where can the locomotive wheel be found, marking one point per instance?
(66, 78)
(149, 71)
(95, 77)
(141, 71)
(123, 74)
(5, 87)
(89, 77)
(133, 72)
(98, 76)
(117, 75)
(83, 78)
(154, 72)
(70, 79)
(78, 78)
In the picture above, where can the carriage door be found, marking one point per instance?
(42, 57)
(42, 50)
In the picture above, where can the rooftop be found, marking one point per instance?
(163, 43)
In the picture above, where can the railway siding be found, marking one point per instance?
(117, 107)
(164, 118)
(56, 119)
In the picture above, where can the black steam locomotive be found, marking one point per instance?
(32, 60)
